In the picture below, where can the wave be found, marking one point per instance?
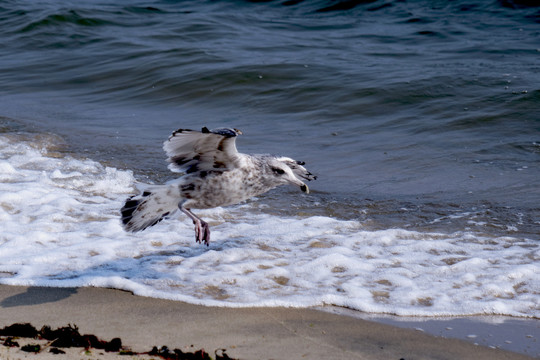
(61, 228)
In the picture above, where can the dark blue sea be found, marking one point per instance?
(420, 118)
(429, 105)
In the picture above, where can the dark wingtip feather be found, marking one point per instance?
(130, 207)
(127, 211)
(178, 131)
(227, 132)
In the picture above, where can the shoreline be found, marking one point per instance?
(245, 333)
(519, 335)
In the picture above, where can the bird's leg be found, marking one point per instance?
(202, 230)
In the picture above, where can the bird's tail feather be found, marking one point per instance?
(148, 208)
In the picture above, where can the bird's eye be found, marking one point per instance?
(278, 171)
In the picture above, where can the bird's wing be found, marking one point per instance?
(190, 151)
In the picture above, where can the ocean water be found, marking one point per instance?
(421, 120)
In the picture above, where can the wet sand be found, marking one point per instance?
(251, 333)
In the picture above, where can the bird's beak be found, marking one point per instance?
(303, 187)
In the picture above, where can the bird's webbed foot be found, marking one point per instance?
(202, 232)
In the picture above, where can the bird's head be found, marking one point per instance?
(285, 170)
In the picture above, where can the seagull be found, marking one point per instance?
(214, 174)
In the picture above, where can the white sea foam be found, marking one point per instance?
(61, 227)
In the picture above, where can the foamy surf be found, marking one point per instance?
(61, 227)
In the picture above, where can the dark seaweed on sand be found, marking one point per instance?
(35, 348)
(69, 336)
(19, 330)
(10, 343)
(177, 354)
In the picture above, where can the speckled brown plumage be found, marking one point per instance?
(214, 174)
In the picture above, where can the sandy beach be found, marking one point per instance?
(252, 333)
